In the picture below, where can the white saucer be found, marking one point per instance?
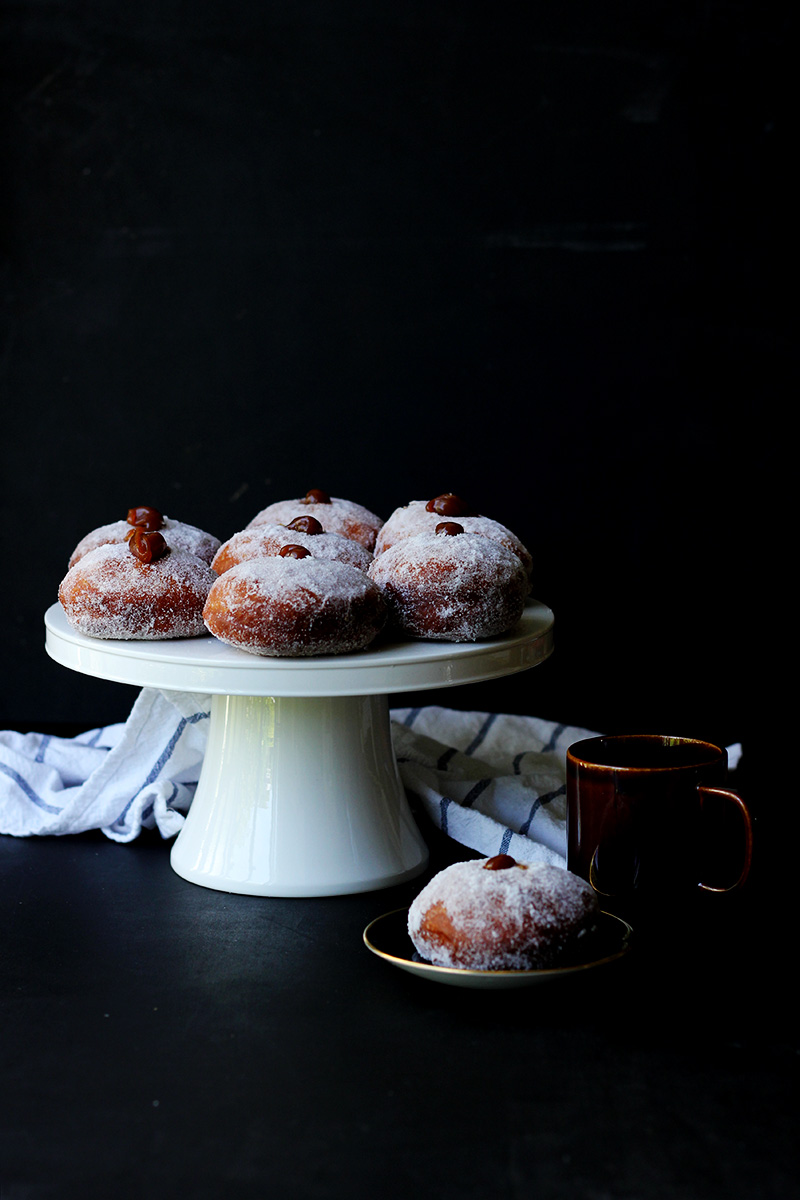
(387, 937)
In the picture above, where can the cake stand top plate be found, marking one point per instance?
(207, 665)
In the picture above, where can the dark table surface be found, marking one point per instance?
(163, 1039)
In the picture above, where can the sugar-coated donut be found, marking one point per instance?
(295, 607)
(497, 914)
(110, 593)
(334, 514)
(452, 585)
(422, 516)
(265, 541)
(177, 534)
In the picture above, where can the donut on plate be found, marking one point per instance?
(137, 591)
(497, 914)
(177, 534)
(335, 515)
(451, 585)
(294, 605)
(422, 516)
(265, 541)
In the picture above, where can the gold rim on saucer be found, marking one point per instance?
(387, 937)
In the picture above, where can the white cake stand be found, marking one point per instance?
(299, 793)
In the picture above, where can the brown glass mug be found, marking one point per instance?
(645, 813)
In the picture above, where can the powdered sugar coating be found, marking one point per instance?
(177, 534)
(265, 541)
(524, 917)
(109, 593)
(462, 588)
(414, 519)
(345, 517)
(295, 607)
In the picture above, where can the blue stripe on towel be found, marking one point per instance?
(161, 762)
(146, 812)
(554, 736)
(481, 734)
(444, 804)
(506, 842)
(25, 787)
(534, 809)
(444, 759)
(473, 793)
(43, 744)
(538, 803)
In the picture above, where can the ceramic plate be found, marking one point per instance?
(387, 937)
(206, 665)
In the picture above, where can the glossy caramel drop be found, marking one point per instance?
(500, 862)
(305, 525)
(449, 505)
(146, 545)
(145, 517)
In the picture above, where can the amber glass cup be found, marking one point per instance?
(650, 821)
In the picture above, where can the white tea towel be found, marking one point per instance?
(495, 783)
(142, 773)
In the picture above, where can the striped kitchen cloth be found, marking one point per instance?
(495, 783)
(138, 774)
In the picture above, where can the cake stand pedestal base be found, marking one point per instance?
(299, 796)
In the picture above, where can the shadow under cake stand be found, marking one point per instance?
(299, 793)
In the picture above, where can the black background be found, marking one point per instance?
(531, 253)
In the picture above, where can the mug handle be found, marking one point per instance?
(725, 794)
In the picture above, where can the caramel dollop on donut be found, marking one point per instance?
(500, 862)
(305, 525)
(294, 551)
(145, 517)
(146, 545)
(450, 505)
(316, 496)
